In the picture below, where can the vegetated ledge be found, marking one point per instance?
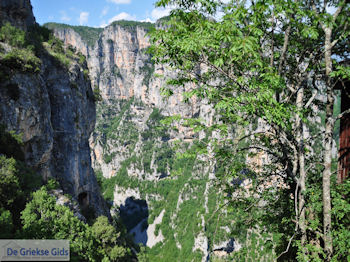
(127, 24)
(88, 34)
(91, 34)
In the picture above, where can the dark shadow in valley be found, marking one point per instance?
(134, 214)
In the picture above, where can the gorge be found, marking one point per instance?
(216, 133)
(164, 200)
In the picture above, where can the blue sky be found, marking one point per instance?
(97, 13)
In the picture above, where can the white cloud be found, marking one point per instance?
(103, 24)
(118, 2)
(148, 20)
(104, 11)
(83, 18)
(122, 16)
(160, 12)
(64, 16)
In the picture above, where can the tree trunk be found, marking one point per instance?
(327, 161)
(301, 163)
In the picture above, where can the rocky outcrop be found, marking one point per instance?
(70, 37)
(55, 113)
(53, 110)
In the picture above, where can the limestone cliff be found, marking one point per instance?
(164, 201)
(121, 69)
(52, 107)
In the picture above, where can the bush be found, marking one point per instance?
(82, 59)
(86, 74)
(97, 94)
(108, 158)
(25, 47)
(22, 60)
(12, 36)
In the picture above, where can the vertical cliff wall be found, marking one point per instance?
(51, 105)
(165, 201)
(17, 12)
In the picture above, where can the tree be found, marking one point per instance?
(110, 240)
(271, 63)
(6, 225)
(43, 219)
(9, 185)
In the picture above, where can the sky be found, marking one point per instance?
(95, 13)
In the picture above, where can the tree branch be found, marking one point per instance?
(342, 114)
(341, 36)
(338, 11)
(288, 246)
(311, 99)
(284, 49)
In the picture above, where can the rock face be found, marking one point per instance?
(17, 12)
(121, 68)
(138, 155)
(70, 37)
(54, 111)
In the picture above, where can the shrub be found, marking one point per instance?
(12, 35)
(82, 59)
(86, 74)
(97, 94)
(9, 185)
(22, 60)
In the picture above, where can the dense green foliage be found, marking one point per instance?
(17, 180)
(44, 219)
(21, 57)
(12, 36)
(25, 50)
(97, 94)
(88, 34)
(266, 61)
